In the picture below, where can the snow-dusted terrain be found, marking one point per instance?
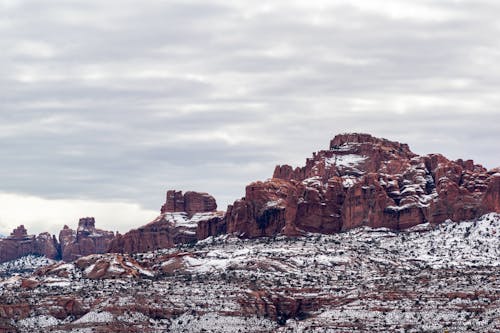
(427, 279)
(23, 266)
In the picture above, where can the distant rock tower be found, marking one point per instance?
(19, 233)
(191, 202)
(86, 225)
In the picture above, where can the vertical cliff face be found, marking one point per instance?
(363, 180)
(266, 209)
(190, 202)
(491, 199)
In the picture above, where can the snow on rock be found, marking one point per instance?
(24, 265)
(348, 160)
(427, 278)
(111, 265)
(33, 324)
(96, 317)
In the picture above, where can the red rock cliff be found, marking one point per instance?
(191, 202)
(86, 240)
(364, 180)
(183, 219)
(20, 244)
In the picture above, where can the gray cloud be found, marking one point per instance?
(120, 100)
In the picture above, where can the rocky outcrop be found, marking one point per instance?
(191, 202)
(47, 245)
(491, 199)
(267, 209)
(111, 266)
(71, 245)
(362, 180)
(20, 244)
(184, 219)
(86, 240)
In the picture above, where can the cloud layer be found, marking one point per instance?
(120, 100)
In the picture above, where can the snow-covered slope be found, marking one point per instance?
(431, 279)
(24, 265)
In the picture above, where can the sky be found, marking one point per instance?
(104, 105)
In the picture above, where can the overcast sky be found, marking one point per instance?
(104, 105)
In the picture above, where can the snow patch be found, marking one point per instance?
(348, 160)
(95, 317)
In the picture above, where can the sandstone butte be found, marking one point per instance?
(360, 180)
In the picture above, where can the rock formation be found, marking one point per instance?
(86, 240)
(181, 217)
(360, 180)
(20, 244)
(72, 245)
(191, 202)
(363, 180)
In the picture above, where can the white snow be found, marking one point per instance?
(57, 282)
(349, 181)
(181, 219)
(24, 265)
(313, 182)
(348, 160)
(95, 317)
(32, 323)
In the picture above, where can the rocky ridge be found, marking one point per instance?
(19, 244)
(70, 246)
(362, 180)
(359, 181)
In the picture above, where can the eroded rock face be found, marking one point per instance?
(191, 202)
(267, 209)
(491, 199)
(364, 180)
(278, 308)
(20, 244)
(184, 219)
(109, 266)
(86, 240)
